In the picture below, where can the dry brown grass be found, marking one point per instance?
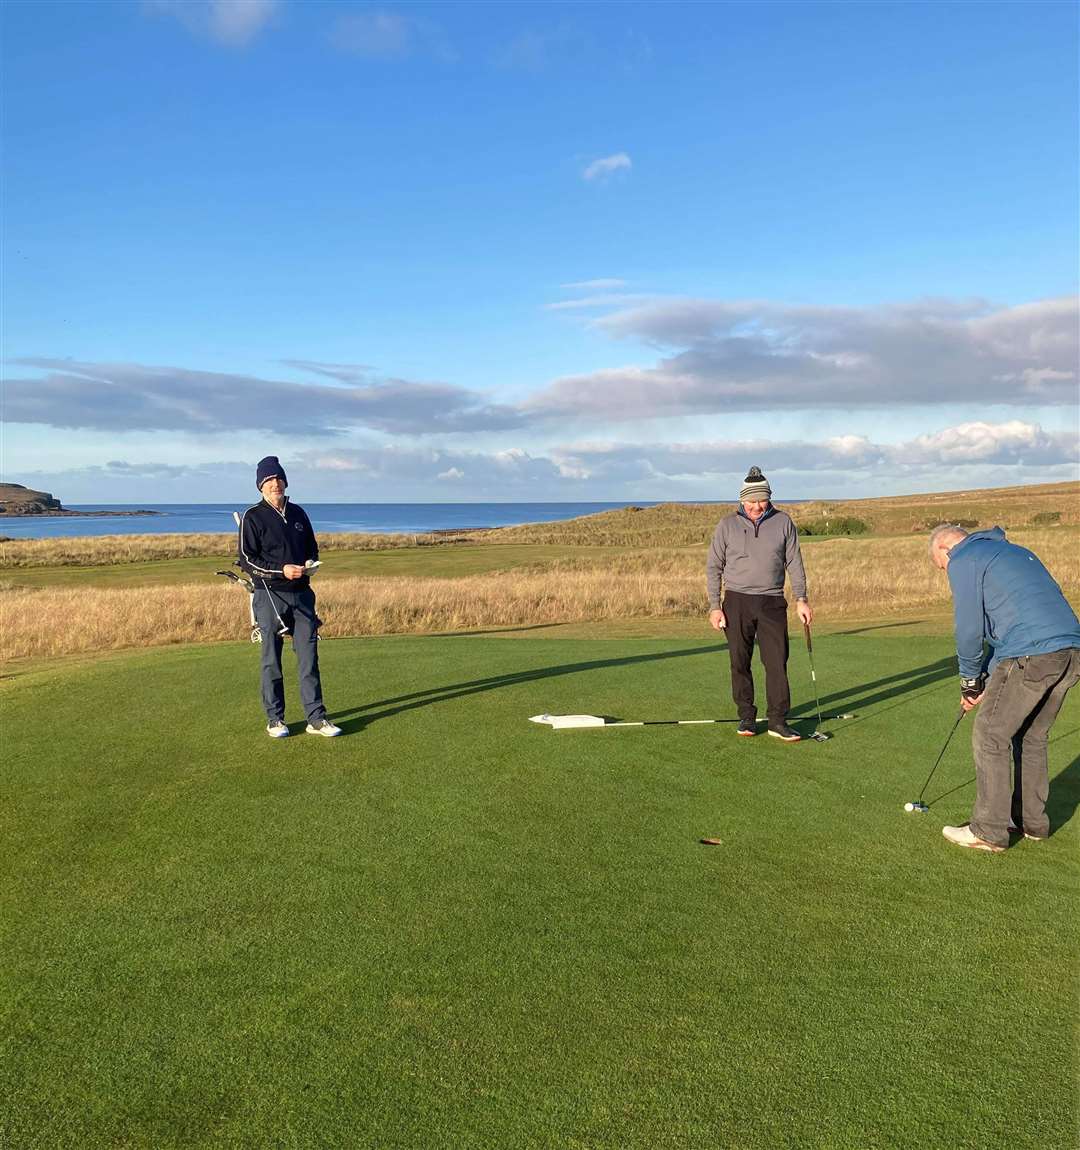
(849, 579)
(107, 550)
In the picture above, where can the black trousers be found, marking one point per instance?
(761, 617)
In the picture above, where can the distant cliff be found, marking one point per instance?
(18, 500)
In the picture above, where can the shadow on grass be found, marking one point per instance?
(881, 627)
(1063, 800)
(1064, 796)
(881, 690)
(866, 695)
(355, 718)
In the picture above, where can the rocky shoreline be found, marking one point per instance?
(19, 501)
(64, 513)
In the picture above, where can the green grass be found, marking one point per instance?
(454, 928)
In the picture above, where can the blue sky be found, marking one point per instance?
(557, 251)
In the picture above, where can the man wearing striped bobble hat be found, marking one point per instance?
(752, 551)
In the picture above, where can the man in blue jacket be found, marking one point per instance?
(277, 548)
(1004, 596)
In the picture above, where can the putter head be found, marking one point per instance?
(820, 737)
(917, 807)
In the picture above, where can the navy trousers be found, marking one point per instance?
(297, 610)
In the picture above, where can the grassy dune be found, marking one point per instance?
(675, 524)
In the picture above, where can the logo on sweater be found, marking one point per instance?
(299, 526)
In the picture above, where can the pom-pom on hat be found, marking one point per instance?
(754, 487)
(268, 468)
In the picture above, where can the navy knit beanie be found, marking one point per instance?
(267, 468)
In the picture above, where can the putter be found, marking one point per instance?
(818, 736)
(918, 805)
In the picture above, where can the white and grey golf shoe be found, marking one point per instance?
(323, 727)
(276, 729)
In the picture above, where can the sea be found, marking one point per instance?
(327, 518)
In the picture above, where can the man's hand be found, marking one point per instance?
(717, 620)
(292, 571)
(972, 691)
(804, 611)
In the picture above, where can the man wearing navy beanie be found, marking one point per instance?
(278, 548)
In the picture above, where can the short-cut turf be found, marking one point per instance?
(454, 928)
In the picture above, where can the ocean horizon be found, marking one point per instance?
(327, 518)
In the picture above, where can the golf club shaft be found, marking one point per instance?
(813, 674)
(941, 753)
(273, 606)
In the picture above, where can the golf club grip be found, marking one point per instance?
(806, 632)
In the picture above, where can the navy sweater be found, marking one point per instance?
(269, 539)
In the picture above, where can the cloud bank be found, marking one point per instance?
(757, 356)
(967, 455)
(716, 358)
(135, 397)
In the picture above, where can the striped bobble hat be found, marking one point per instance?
(755, 486)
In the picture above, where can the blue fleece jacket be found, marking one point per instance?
(1002, 594)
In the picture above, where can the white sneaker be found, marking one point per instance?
(323, 727)
(276, 729)
(965, 837)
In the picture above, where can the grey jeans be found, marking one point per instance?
(297, 611)
(1022, 700)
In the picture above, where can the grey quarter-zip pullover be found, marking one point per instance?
(753, 558)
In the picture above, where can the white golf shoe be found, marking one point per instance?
(276, 729)
(323, 727)
(965, 837)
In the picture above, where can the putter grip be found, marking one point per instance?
(806, 632)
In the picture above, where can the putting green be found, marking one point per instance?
(455, 928)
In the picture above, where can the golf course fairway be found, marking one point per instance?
(454, 928)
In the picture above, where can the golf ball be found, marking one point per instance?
(909, 806)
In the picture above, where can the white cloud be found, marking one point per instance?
(591, 302)
(451, 473)
(978, 442)
(386, 34)
(606, 166)
(231, 22)
(594, 285)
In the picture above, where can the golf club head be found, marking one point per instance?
(820, 737)
(917, 807)
(256, 635)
